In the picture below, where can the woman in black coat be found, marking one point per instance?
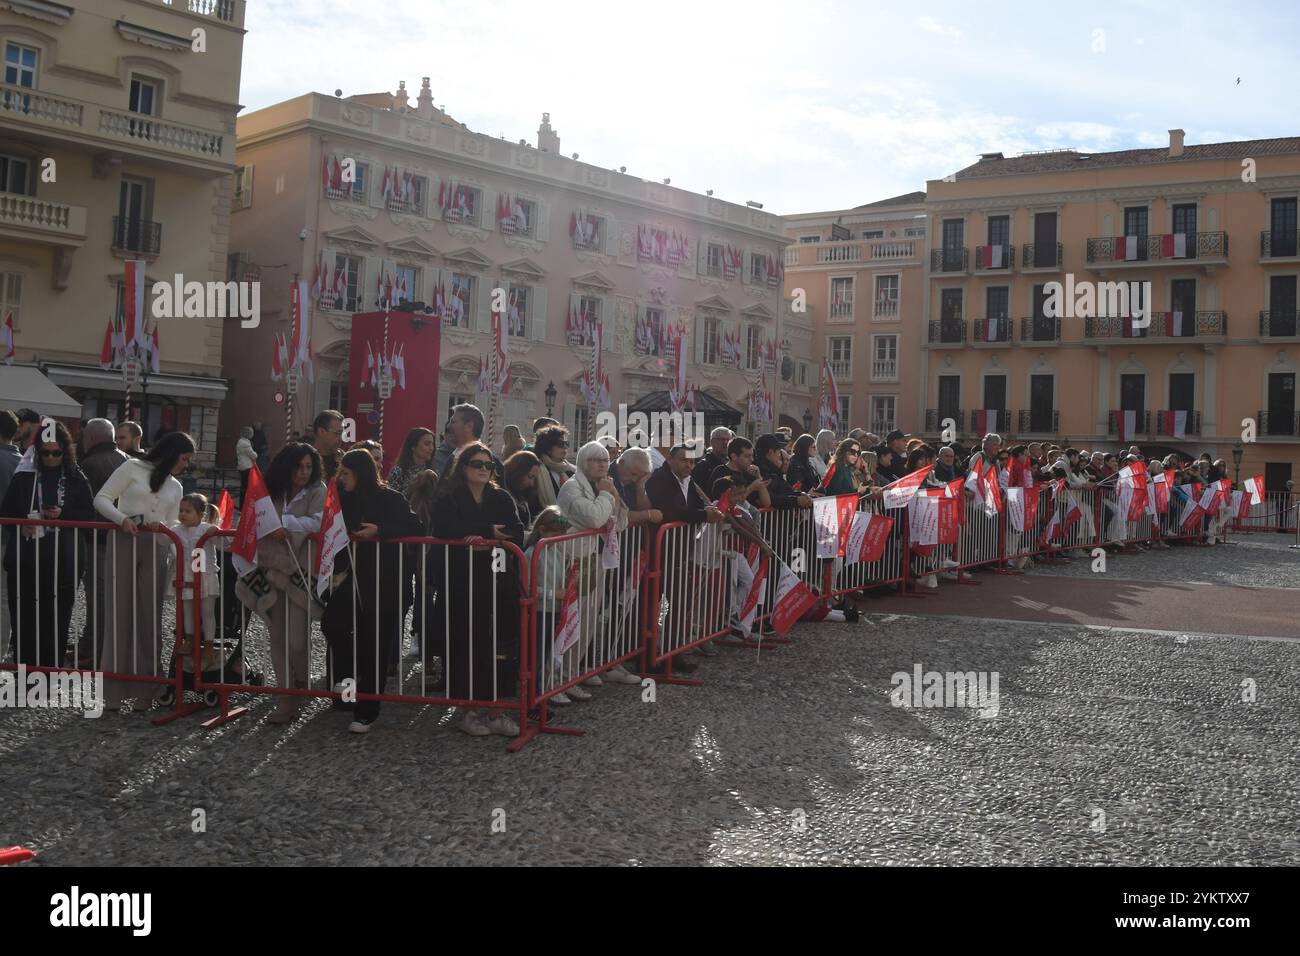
(800, 473)
(372, 594)
(40, 563)
(478, 616)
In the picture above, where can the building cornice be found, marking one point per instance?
(154, 38)
(39, 10)
(1142, 193)
(178, 10)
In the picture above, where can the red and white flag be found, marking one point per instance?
(277, 349)
(831, 395)
(1174, 323)
(1174, 246)
(1255, 488)
(898, 494)
(155, 352)
(1130, 248)
(1239, 505)
(1175, 423)
(225, 511)
(867, 537)
(1016, 500)
(106, 351)
(333, 537)
(1126, 424)
(832, 519)
(1210, 498)
(501, 352)
(793, 598)
(300, 319)
(133, 304)
(677, 393)
(1192, 510)
(569, 626)
(1161, 482)
(758, 566)
(256, 521)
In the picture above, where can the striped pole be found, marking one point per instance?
(384, 371)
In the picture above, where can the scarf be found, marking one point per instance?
(548, 477)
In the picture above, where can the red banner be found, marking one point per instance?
(416, 338)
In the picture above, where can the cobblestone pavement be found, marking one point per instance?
(1109, 746)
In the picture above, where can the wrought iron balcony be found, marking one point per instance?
(949, 260)
(1039, 421)
(1279, 424)
(226, 10)
(1278, 324)
(981, 425)
(1042, 255)
(137, 235)
(934, 418)
(995, 258)
(990, 331)
(1166, 424)
(1164, 248)
(947, 332)
(1161, 326)
(1141, 423)
(1279, 245)
(1040, 329)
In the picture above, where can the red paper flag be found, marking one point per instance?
(226, 511)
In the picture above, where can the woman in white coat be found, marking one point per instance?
(142, 493)
(590, 501)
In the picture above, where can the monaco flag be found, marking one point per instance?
(867, 537)
(133, 304)
(256, 521)
(1022, 505)
(1191, 509)
(758, 564)
(833, 519)
(225, 511)
(570, 622)
(899, 493)
(333, 537)
(1255, 488)
(793, 598)
(1241, 505)
(1161, 482)
(1126, 424)
(1175, 423)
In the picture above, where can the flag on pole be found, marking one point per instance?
(867, 537)
(333, 537)
(1255, 488)
(154, 352)
(106, 351)
(793, 599)
(1126, 424)
(898, 494)
(133, 304)
(256, 521)
(569, 625)
(677, 393)
(758, 567)
(300, 316)
(501, 355)
(225, 511)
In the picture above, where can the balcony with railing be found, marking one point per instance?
(1039, 421)
(1041, 330)
(886, 308)
(995, 258)
(951, 259)
(228, 11)
(1167, 423)
(842, 306)
(903, 251)
(27, 217)
(21, 102)
(1042, 257)
(995, 331)
(1141, 424)
(1117, 252)
(934, 419)
(1280, 424)
(168, 137)
(842, 370)
(1279, 325)
(137, 236)
(1161, 327)
(1274, 246)
(950, 332)
(884, 370)
(982, 423)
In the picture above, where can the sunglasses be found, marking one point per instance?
(51, 454)
(479, 463)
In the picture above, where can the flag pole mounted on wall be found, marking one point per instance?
(289, 383)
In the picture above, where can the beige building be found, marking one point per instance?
(579, 239)
(117, 143)
(1212, 228)
(860, 272)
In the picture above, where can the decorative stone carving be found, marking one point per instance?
(472, 145)
(461, 338)
(594, 258)
(354, 211)
(418, 132)
(717, 209)
(468, 233)
(411, 222)
(658, 294)
(658, 194)
(341, 321)
(523, 242)
(526, 158)
(62, 266)
(597, 177)
(709, 282)
(356, 115)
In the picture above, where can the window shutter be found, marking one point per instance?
(246, 187)
(609, 322)
(543, 216)
(702, 257)
(612, 236)
(745, 265)
(570, 415)
(700, 329)
(483, 286)
(538, 319)
(374, 184)
(487, 213)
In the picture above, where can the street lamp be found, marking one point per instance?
(550, 394)
(807, 420)
(1236, 463)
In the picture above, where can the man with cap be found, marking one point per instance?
(772, 459)
(716, 457)
(897, 443)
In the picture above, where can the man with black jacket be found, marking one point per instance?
(673, 493)
(101, 459)
(772, 460)
(715, 457)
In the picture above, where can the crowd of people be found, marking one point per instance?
(449, 486)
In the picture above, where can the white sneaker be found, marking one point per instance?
(949, 563)
(834, 616)
(594, 681)
(503, 725)
(618, 674)
(561, 698)
(360, 726)
(474, 725)
(930, 582)
(577, 693)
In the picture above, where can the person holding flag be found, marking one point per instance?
(293, 500)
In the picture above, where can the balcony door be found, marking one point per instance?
(1182, 299)
(1133, 395)
(995, 395)
(1044, 325)
(1045, 240)
(1135, 225)
(1185, 222)
(949, 397)
(1281, 403)
(132, 213)
(1182, 391)
(954, 240)
(1283, 227)
(1042, 401)
(1282, 305)
(950, 315)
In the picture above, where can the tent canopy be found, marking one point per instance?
(25, 387)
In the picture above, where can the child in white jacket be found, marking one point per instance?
(196, 519)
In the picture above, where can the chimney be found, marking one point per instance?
(1176, 142)
(400, 100)
(424, 102)
(987, 157)
(547, 139)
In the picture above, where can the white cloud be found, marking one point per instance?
(931, 25)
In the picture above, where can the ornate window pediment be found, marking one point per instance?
(475, 261)
(715, 303)
(412, 247)
(524, 269)
(353, 234)
(593, 280)
(758, 311)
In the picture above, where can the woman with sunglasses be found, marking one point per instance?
(40, 562)
(844, 476)
(142, 493)
(477, 611)
(363, 618)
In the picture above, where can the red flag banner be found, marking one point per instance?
(793, 598)
(257, 519)
(333, 537)
(867, 537)
(225, 511)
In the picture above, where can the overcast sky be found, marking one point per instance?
(807, 105)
